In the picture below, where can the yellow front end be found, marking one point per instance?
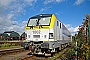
(37, 33)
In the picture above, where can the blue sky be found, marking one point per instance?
(14, 14)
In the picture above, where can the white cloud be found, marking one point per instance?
(73, 30)
(57, 13)
(46, 8)
(5, 2)
(78, 2)
(59, 0)
(42, 9)
(24, 22)
(15, 6)
(9, 9)
(48, 1)
(30, 2)
(53, 1)
(7, 24)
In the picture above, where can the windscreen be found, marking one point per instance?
(44, 21)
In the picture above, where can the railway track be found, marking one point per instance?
(11, 54)
(10, 51)
(37, 57)
(32, 57)
(16, 43)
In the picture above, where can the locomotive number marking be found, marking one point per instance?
(36, 32)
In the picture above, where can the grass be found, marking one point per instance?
(8, 46)
(58, 54)
(61, 53)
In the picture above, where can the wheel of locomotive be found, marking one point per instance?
(70, 45)
(66, 45)
(52, 54)
(57, 50)
(63, 46)
(60, 48)
(26, 47)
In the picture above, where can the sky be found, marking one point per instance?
(14, 14)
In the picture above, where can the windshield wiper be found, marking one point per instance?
(38, 23)
(31, 27)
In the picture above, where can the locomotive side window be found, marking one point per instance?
(57, 23)
(60, 25)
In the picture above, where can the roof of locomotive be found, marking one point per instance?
(41, 15)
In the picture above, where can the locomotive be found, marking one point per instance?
(46, 34)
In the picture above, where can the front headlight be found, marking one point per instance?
(51, 36)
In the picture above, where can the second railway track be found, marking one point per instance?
(10, 51)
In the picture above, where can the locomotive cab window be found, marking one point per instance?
(42, 20)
